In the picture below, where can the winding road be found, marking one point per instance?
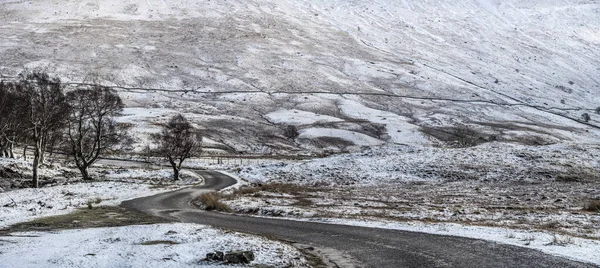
(348, 246)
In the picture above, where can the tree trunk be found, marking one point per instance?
(84, 173)
(41, 156)
(11, 150)
(175, 174)
(36, 162)
(25, 152)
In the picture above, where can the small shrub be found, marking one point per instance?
(593, 206)
(91, 202)
(210, 201)
(291, 132)
(244, 190)
(586, 117)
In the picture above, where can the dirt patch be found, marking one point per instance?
(85, 218)
(159, 242)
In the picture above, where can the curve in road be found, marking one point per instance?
(370, 247)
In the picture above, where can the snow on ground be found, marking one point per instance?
(27, 204)
(399, 128)
(397, 164)
(527, 195)
(24, 167)
(509, 68)
(150, 176)
(159, 245)
(143, 122)
(299, 117)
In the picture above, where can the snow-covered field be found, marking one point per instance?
(489, 162)
(245, 70)
(533, 196)
(178, 245)
(159, 245)
(27, 204)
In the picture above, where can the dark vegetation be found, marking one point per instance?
(459, 137)
(36, 112)
(593, 206)
(177, 141)
(91, 129)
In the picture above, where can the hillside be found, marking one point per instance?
(345, 73)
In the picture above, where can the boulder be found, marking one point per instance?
(238, 257)
(215, 256)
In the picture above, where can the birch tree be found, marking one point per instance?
(177, 141)
(45, 111)
(91, 128)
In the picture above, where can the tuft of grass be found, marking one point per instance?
(211, 201)
(303, 202)
(593, 206)
(91, 202)
(275, 187)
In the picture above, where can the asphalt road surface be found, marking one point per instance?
(349, 246)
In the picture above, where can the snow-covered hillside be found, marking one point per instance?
(511, 70)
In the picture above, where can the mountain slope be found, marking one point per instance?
(426, 72)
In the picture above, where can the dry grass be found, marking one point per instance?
(86, 218)
(578, 174)
(92, 202)
(211, 201)
(303, 202)
(159, 242)
(593, 206)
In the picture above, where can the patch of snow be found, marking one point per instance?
(351, 136)
(183, 245)
(298, 117)
(399, 128)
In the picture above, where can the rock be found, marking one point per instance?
(215, 256)
(237, 257)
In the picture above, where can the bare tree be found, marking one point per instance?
(91, 128)
(45, 111)
(12, 111)
(177, 141)
(9, 122)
